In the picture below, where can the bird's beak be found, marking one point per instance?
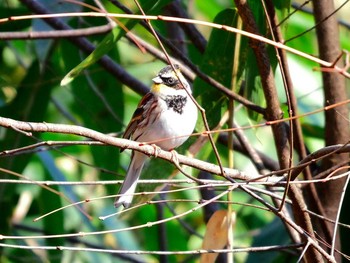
(157, 80)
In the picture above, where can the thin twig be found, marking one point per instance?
(339, 210)
(184, 20)
(200, 108)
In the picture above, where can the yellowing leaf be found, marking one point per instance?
(216, 234)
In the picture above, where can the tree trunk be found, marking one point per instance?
(336, 122)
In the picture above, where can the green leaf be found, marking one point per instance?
(98, 103)
(209, 8)
(282, 8)
(154, 169)
(30, 104)
(312, 130)
(5, 11)
(52, 224)
(253, 88)
(217, 63)
(272, 234)
(101, 49)
(109, 42)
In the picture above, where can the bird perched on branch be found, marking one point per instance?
(165, 116)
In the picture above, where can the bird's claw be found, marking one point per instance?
(174, 157)
(156, 150)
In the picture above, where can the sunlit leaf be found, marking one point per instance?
(216, 235)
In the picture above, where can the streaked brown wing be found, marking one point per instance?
(138, 115)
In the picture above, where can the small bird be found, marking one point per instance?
(162, 116)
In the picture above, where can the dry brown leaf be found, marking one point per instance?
(216, 234)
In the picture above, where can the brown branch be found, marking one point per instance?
(336, 126)
(324, 153)
(273, 110)
(191, 31)
(297, 139)
(29, 127)
(325, 64)
(68, 33)
(309, 237)
(86, 46)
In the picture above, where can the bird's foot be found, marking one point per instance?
(156, 150)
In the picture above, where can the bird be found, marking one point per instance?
(165, 116)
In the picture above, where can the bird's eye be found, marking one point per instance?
(170, 81)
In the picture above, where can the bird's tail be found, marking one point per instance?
(130, 182)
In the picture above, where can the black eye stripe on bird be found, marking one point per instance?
(171, 81)
(165, 117)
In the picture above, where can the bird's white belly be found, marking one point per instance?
(172, 128)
